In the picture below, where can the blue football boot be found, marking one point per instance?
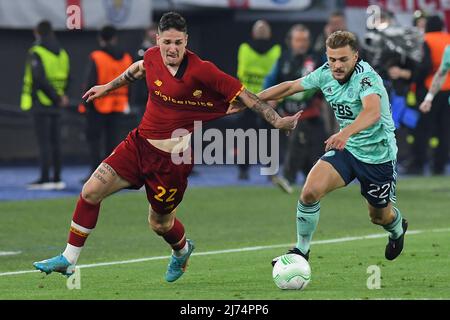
(177, 265)
(56, 264)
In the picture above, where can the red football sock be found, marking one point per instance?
(175, 236)
(83, 221)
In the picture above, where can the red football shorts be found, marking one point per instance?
(140, 163)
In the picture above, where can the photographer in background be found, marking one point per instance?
(395, 53)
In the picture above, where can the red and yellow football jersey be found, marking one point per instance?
(198, 92)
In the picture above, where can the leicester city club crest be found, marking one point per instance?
(350, 93)
(117, 11)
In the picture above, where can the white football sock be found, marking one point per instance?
(182, 251)
(72, 253)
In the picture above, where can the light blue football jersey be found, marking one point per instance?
(446, 59)
(375, 144)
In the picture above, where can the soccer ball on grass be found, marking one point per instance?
(291, 271)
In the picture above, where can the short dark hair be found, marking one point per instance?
(419, 14)
(340, 39)
(107, 33)
(172, 20)
(296, 28)
(337, 13)
(44, 28)
(434, 24)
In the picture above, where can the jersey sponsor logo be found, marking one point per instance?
(167, 98)
(158, 83)
(342, 111)
(197, 94)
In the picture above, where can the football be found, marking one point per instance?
(291, 271)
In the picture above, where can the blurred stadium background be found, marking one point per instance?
(216, 30)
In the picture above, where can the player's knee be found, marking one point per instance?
(309, 194)
(159, 226)
(376, 220)
(380, 216)
(379, 219)
(91, 194)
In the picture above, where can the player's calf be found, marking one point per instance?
(172, 231)
(390, 218)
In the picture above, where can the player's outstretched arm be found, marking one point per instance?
(370, 114)
(134, 72)
(436, 85)
(282, 90)
(252, 101)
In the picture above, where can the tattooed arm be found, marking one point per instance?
(267, 112)
(134, 72)
(282, 90)
(436, 85)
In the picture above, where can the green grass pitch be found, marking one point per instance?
(219, 219)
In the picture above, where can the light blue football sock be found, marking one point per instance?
(395, 228)
(307, 220)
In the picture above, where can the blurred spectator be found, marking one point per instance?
(336, 22)
(139, 92)
(437, 121)
(255, 60)
(420, 20)
(45, 83)
(305, 143)
(104, 114)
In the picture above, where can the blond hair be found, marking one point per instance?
(340, 39)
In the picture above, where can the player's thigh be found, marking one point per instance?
(378, 183)
(103, 182)
(165, 192)
(322, 179)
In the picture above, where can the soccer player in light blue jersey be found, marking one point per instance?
(365, 147)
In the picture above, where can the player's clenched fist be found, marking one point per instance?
(425, 106)
(288, 123)
(336, 141)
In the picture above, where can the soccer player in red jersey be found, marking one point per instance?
(182, 89)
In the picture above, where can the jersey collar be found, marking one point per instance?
(182, 68)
